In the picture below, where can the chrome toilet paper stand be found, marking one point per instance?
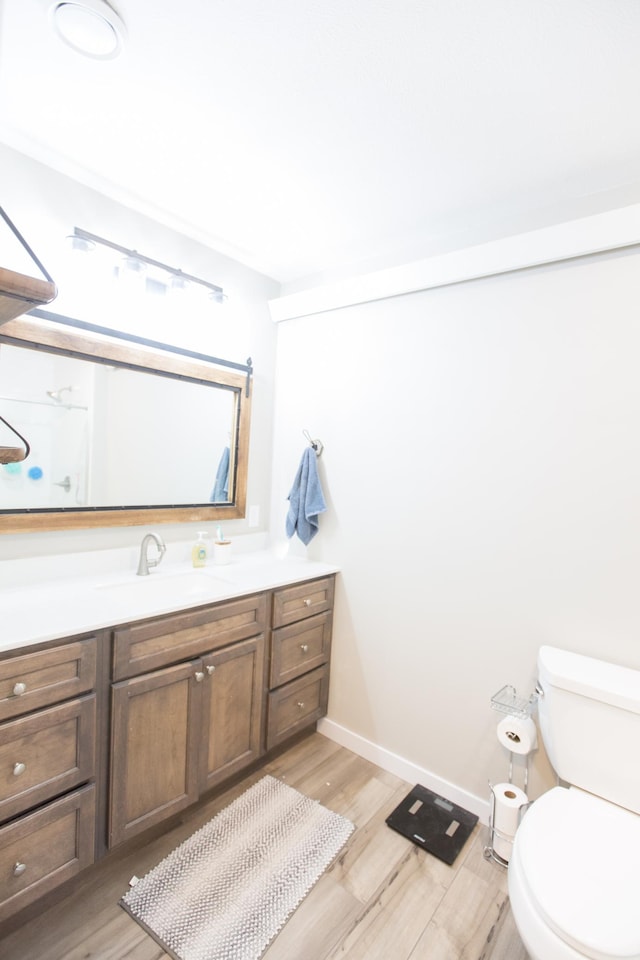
(507, 701)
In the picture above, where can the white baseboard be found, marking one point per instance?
(403, 768)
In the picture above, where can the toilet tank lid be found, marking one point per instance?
(608, 682)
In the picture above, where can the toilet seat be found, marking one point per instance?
(578, 857)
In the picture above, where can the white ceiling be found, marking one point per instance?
(314, 137)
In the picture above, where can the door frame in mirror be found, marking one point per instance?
(36, 333)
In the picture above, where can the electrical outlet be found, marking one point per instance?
(254, 516)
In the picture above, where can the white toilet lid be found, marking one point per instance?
(581, 858)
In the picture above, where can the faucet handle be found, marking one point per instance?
(162, 549)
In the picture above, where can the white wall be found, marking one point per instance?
(46, 206)
(482, 469)
(481, 466)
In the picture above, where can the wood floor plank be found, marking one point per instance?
(117, 940)
(461, 925)
(504, 941)
(392, 922)
(335, 779)
(383, 898)
(318, 925)
(373, 853)
(302, 758)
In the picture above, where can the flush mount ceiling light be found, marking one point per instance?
(90, 27)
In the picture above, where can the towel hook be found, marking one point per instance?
(317, 445)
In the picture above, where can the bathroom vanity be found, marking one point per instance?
(111, 728)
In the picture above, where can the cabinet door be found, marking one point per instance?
(42, 850)
(299, 648)
(302, 600)
(233, 694)
(296, 705)
(154, 743)
(154, 644)
(46, 753)
(36, 680)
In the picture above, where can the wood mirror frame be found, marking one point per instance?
(35, 333)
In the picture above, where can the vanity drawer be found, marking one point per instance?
(157, 643)
(36, 680)
(304, 600)
(296, 705)
(40, 851)
(300, 647)
(46, 753)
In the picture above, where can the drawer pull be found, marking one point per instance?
(199, 676)
(304, 647)
(301, 704)
(19, 689)
(210, 669)
(19, 869)
(307, 602)
(19, 768)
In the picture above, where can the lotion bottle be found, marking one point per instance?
(200, 551)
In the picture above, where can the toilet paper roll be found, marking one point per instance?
(518, 734)
(508, 800)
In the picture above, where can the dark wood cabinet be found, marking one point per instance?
(41, 850)
(150, 644)
(105, 736)
(181, 730)
(233, 694)
(47, 769)
(46, 753)
(154, 762)
(29, 681)
(299, 658)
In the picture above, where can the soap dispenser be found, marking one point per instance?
(200, 551)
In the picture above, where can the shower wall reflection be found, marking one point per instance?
(102, 435)
(48, 399)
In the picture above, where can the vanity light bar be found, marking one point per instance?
(215, 292)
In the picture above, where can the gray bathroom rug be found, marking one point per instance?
(225, 892)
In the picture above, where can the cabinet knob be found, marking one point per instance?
(307, 602)
(19, 768)
(301, 704)
(210, 669)
(19, 869)
(304, 647)
(19, 689)
(199, 676)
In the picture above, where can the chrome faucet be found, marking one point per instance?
(145, 563)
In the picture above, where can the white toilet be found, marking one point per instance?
(574, 873)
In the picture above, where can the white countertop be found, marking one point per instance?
(66, 607)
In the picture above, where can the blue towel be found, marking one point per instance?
(220, 492)
(306, 499)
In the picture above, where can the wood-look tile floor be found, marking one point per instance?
(382, 899)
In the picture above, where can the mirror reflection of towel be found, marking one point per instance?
(306, 499)
(220, 492)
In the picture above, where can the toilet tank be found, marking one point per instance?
(589, 714)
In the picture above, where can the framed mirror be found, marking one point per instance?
(120, 432)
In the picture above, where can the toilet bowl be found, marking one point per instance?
(573, 878)
(574, 872)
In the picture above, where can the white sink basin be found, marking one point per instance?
(173, 588)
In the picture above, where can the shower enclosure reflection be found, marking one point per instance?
(127, 431)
